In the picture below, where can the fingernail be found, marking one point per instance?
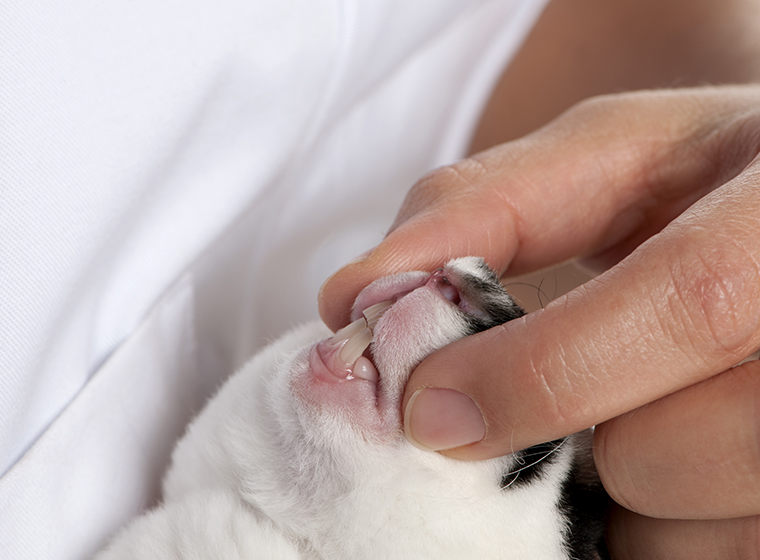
(438, 419)
(353, 261)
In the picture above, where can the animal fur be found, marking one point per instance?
(277, 466)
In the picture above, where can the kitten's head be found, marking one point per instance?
(313, 429)
(357, 377)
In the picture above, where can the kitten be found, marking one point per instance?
(301, 454)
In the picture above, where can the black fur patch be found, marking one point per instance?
(585, 506)
(492, 298)
(495, 299)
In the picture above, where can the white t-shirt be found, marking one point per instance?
(177, 179)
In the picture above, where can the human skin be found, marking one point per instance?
(657, 191)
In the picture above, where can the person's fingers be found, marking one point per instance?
(694, 454)
(427, 243)
(681, 308)
(632, 536)
(602, 178)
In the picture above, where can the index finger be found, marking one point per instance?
(683, 307)
(608, 169)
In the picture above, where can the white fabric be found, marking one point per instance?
(51, 495)
(213, 162)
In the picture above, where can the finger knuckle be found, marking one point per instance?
(444, 187)
(449, 180)
(598, 105)
(714, 290)
(601, 108)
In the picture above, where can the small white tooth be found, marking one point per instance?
(350, 330)
(355, 346)
(374, 312)
(364, 369)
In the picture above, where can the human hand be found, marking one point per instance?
(660, 189)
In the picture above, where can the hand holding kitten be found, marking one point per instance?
(659, 191)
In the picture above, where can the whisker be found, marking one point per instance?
(521, 461)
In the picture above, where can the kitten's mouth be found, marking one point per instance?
(346, 357)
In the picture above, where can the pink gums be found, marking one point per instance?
(330, 383)
(325, 361)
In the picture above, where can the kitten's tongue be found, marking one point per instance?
(341, 358)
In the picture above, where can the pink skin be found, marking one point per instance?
(331, 382)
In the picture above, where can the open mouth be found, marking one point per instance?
(346, 356)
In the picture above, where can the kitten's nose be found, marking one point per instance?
(448, 290)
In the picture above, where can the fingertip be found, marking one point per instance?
(337, 293)
(448, 406)
(439, 419)
(399, 252)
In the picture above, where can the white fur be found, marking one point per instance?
(261, 475)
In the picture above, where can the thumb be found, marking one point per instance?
(680, 309)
